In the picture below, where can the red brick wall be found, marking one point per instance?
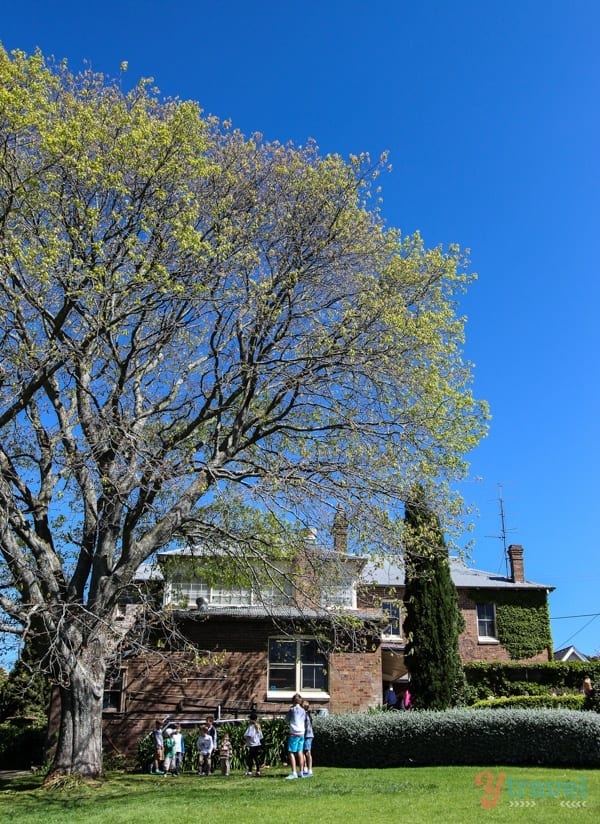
(471, 649)
(231, 687)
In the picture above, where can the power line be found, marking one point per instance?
(584, 615)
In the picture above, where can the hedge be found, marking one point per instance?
(459, 737)
(500, 679)
(566, 702)
(21, 747)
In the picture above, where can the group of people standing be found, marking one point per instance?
(169, 747)
(397, 701)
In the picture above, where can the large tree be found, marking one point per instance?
(433, 619)
(195, 324)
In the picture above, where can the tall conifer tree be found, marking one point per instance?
(433, 620)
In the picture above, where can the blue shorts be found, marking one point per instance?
(308, 744)
(296, 743)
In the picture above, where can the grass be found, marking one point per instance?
(331, 796)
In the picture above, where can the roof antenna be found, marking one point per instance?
(503, 530)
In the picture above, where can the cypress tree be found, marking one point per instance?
(433, 619)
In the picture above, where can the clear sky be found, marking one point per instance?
(490, 112)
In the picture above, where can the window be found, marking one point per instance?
(296, 666)
(486, 622)
(339, 593)
(184, 594)
(113, 698)
(394, 614)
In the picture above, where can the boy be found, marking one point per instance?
(159, 751)
(296, 718)
(204, 745)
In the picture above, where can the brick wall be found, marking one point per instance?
(231, 687)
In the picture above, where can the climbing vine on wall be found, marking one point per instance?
(522, 621)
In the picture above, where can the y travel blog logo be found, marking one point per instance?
(525, 793)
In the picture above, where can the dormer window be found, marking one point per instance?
(342, 593)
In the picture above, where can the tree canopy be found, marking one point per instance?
(196, 324)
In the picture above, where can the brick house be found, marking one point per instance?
(480, 596)
(337, 644)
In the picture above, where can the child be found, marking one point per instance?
(296, 718)
(253, 740)
(179, 749)
(308, 739)
(159, 748)
(204, 745)
(170, 763)
(225, 753)
(212, 730)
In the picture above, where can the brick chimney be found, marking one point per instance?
(340, 531)
(515, 556)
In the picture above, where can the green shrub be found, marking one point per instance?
(459, 737)
(500, 679)
(566, 702)
(21, 747)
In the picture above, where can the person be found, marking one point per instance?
(308, 739)
(204, 745)
(253, 738)
(169, 746)
(179, 742)
(588, 687)
(159, 748)
(225, 753)
(296, 718)
(406, 699)
(390, 698)
(212, 731)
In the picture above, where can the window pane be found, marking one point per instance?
(392, 610)
(282, 652)
(313, 677)
(282, 678)
(314, 666)
(486, 621)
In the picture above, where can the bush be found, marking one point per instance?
(503, 679)
(565, 702)
(21, 747)
(459, 737)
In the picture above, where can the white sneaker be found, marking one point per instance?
(291, 775)
(309, 773)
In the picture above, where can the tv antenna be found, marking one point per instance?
(503, 530)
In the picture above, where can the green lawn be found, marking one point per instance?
(450, 794)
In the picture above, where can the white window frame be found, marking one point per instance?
(296, 668)
(487, 622)
(185, 594)
(389, 608)
(340, 594)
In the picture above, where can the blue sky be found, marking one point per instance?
(490, 113)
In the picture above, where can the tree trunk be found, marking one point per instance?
(79, 748)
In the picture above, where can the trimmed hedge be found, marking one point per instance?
(459, 737)
(500, 679)
(555, 702)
